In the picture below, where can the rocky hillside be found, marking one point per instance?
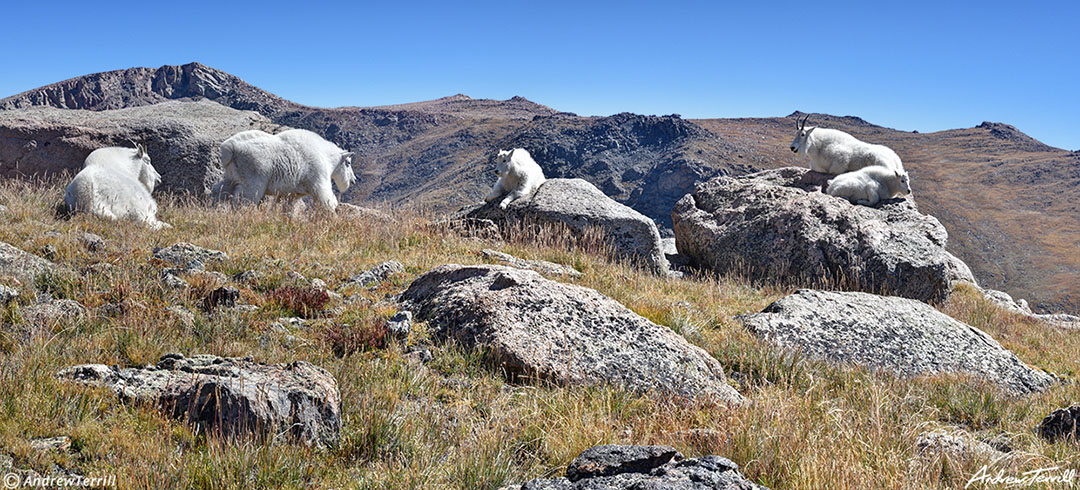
(1008, 201)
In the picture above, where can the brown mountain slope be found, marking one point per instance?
(1008, 201)
(1011, 204)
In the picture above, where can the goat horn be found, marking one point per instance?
(805, 119)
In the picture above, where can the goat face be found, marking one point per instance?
(905, 183)
(148, 175)
(502, 162)
(799, 143)
(343, 173)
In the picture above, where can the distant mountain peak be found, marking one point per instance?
(1009, 133)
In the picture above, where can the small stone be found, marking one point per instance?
(189, 256)
(612, 459)
(1061, 424)
(182, 314)
(60, 443)
(400, 325)
(318, 284)
(225, 296)
(8, 295)
(957, 444)
(92, 242)
(48, 252)
(174, 282)
(295, 276)
(247, 277)
(378, 274)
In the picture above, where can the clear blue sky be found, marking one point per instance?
(908, 65)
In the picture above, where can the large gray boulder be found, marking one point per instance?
(230, 396)
(182, 138)
(901, 336)
(534, 326)
(580, 206)
(614, 467)
(777, 224)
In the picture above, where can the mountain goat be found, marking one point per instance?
(115, 183)
(291, 164)
(869, 185)
(832, 151)
(519, 176)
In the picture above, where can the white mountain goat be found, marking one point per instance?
(519, 176)
(832, 151)
(869, 185)
(291, 164)
(115, 183)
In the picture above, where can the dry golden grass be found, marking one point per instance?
(456, 422)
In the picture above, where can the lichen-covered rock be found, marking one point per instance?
(20, 265)
(956, 443)
(902, 336)
(534, 326)
(612, 467)
(46, 310)
(581, 207)
(230, 397)
(187, 256)
(777, 224)
(377, 274)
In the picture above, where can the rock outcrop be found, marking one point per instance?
(534, 326)
(904, 337)
(581, 207)
(612, 467)
(182, 138)
(186, 256)
(777, 224)
(230, 397)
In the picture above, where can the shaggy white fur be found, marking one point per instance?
(519, 176)
(115, 183)
(869, 185)
(290, 164)
(835, 152)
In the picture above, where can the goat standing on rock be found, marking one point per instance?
(291, 164)
(832, 151)
(115, 183)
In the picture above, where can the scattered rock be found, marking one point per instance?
(581, 207)
(23, 266)
(187, 318)
(1020, 307)
(188, 256)
(92, 242)
(400, 325)
(1060, 424)
(59, 443)
(533, 326)
(247, 277)
(608, 460)
(230, 396)
(7, 295)
(173, 282)
(644, 467)
(47, 310)
(542, 266)
(418, 354)
(378, 274)
(902, 336)
(48, 252)
(296, 277)
(958, 444)
(225, 296)
(775, 225)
